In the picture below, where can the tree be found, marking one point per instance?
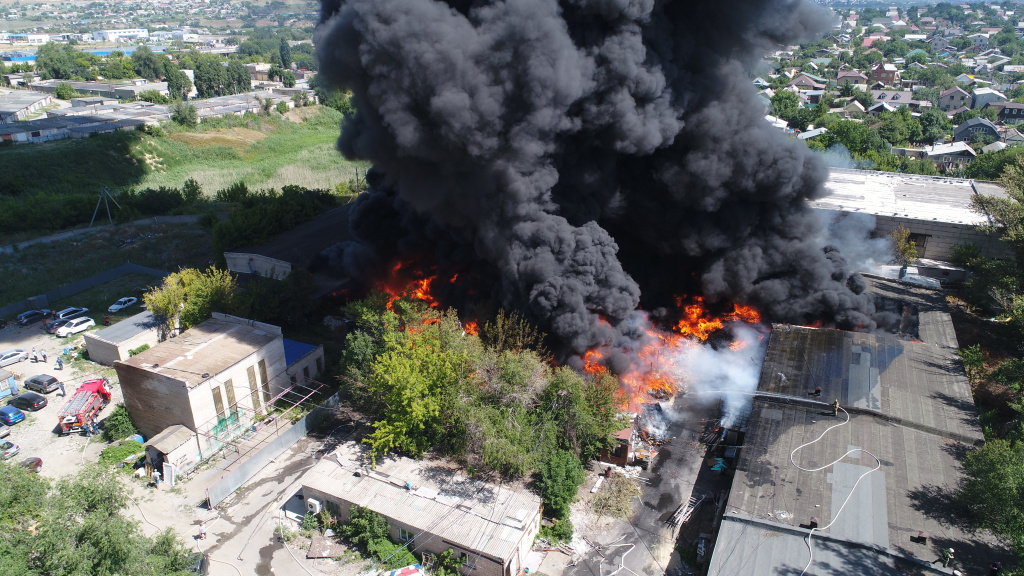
(210, 76)
(559, 479)
(190, 296)
(65, 91)
(286, 54)
(935, 125)
(785, 104)
(184, 114)
(178, 83)
(289, 79)
(154, 97)
(846, 89)
(904, 250)
(78, 526)
(147, 64)
(994, 488)
(237, 78)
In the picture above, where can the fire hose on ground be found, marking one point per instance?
(792, 455)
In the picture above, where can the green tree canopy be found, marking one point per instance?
(190, 296)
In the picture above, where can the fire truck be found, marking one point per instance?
(86, 403)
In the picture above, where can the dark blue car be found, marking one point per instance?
(10, 415)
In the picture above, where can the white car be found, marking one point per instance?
(75, 326)
(122, 303)
(8, 357)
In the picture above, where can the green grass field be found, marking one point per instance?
(41, 267)
(263, 152)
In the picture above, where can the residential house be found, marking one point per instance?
(880, 107)
(805, 81)
(979, 40)
(952, 155)
(939, 43)
(952, 113)
(886, 74)
(993, 147)
(1008, 112)
(954, 97)
(856, 78)
(964, 132)
(431, 507)
(984, 96)
(854, 108)
(214, 378)
(896, 98)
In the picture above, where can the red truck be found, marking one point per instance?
(91, 397)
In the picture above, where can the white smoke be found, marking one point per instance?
(728, 374)
(851, 232)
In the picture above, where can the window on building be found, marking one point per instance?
(253, 388)
(229, 390)
(218, 402)
(920, 242)
(305, 372)
(264, 380)
(293, 380)
(319, 365)
(405, 535)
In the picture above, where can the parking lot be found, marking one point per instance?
(37, 434)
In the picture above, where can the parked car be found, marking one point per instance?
(9, 357)
(5, 430)
(26, 318)
(32, 464)
(8, 450)
(52, 327)
(10, 415)
(122, 303)
(28, 401)
(43, 383)
(69, 313)
(75, 326)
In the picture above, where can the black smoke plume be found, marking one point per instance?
(595, 155)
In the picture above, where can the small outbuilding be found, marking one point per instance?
(115, 343)
(8, 386)
(174, 451)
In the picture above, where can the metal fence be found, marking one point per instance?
(286, 439)
(57, 294)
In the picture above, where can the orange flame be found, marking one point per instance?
(471, 327)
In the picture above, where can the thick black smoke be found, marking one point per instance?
(589, 151)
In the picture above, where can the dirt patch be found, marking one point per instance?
(299, 115)
(237, 138)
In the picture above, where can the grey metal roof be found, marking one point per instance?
(128, 328)
(910, 406)
(468, 513)
(913, 383)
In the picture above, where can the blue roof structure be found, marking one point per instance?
(294, 351)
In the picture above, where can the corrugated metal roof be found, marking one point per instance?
(471, 514)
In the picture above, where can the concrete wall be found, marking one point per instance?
(309, 366)
(106, 353)
(942, 236)
(203, 407)
(155, 401)
(184, 458)
(245, 263)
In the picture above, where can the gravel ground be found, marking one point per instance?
(36, 435)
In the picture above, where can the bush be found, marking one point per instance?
(559, 479)
(119, 424)
(234, 193)
(282, 107)
(138, 350)
(184, 114)
(559, 531)
(113, 455)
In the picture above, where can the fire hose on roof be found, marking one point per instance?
(792, 455)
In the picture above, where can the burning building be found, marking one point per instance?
(910, 407)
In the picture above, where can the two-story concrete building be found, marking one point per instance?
(213, 378)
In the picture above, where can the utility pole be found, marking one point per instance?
(104, 195)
